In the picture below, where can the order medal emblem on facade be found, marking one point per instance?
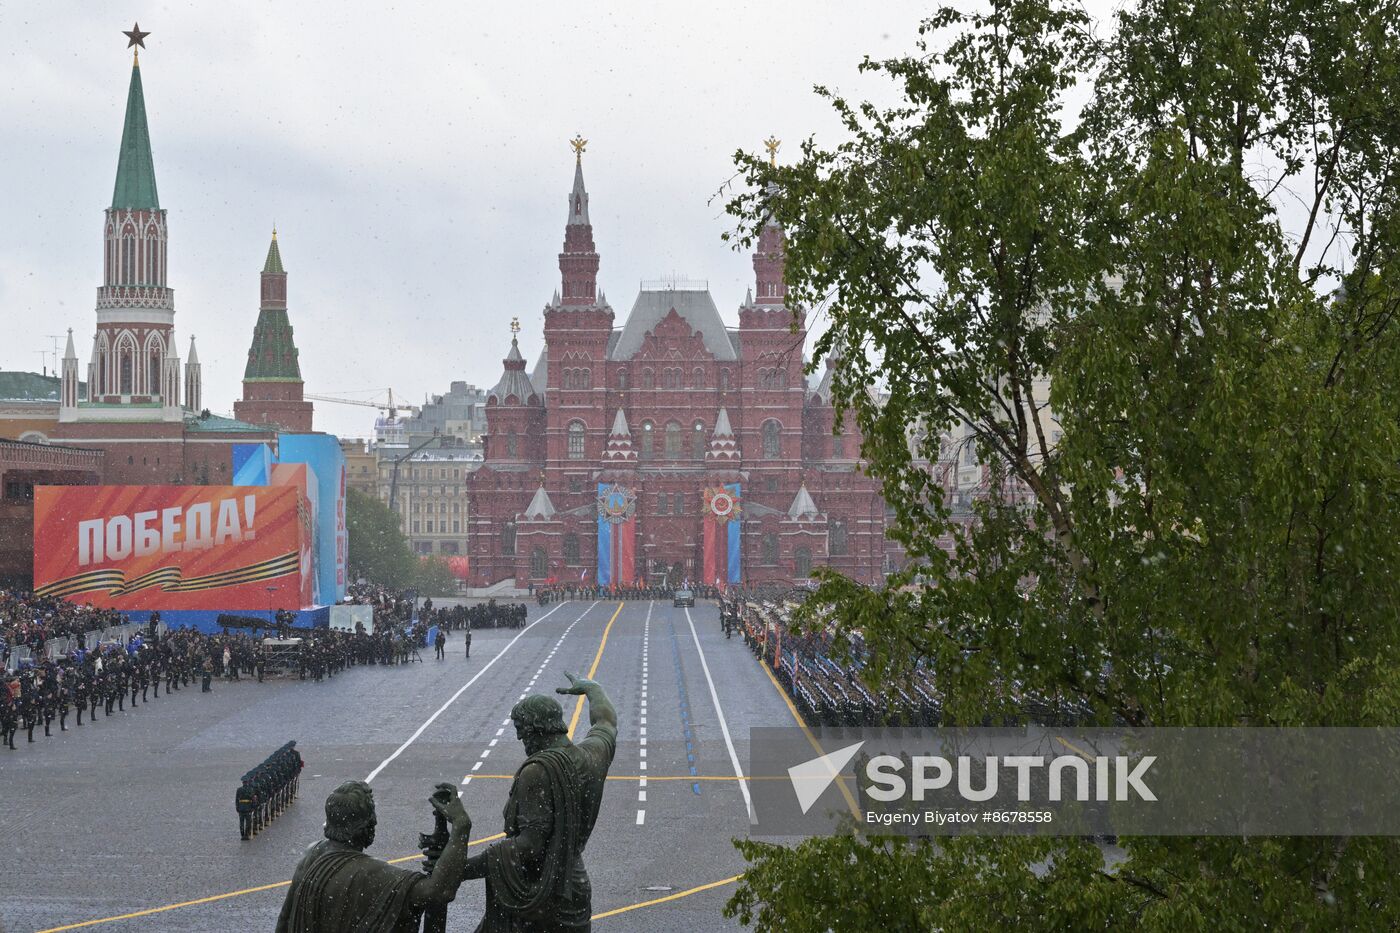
(616, 503)
(722, 504)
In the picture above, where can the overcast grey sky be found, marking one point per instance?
(414, 158)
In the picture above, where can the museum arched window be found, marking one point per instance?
(648, 379)
(772, 446)
(575, 440)
(836, 537)
(673, 440)
(769, 548)
(838, 447)
(512, 445)
(724, 380)
(508, 539)
(571, 549)
(697, 440)
(697, 378)
(648, 440)
(539, 563)
(622, 378)
(802, 562)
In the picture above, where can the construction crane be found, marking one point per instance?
(391, 408)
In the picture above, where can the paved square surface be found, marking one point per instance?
(135, 812)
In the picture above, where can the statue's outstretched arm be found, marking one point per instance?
(600, 708)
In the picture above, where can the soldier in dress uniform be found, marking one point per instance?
(64, 691)
(80, 693)
(29, 710)
(245, 802)
(9, 716)
(48, 704)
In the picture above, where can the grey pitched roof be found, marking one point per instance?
(540, 506)
(802, 505)
(822, 390)
(722, 428)
(695, 305)
(540, 374)
(619, 427)
(514, 381)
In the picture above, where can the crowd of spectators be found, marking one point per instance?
(62, 660)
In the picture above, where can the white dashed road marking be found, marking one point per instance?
(646, 648)
(461, 690)
(486, 752)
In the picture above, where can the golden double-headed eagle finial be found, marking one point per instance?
(772, 144)
(515, 325)
(579, 144)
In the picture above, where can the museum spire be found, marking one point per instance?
(578, 263)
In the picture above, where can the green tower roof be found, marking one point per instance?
(273, 355)
(274, 257)
(136, 170)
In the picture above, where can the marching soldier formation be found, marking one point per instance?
(267, 790)
(825, 691)
(46, 690)
(831, 692)
(553, 593)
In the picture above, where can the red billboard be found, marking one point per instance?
(174, 547)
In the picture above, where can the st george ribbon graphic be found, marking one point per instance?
(171, 579)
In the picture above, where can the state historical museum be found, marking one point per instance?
(673, 448)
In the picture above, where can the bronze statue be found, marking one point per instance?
(337, 888)
(535, 879)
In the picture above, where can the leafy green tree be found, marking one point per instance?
(378, 549)
(1176, 245)
(433, 577)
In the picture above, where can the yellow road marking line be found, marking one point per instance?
(578, 707)
(407, 858)
(669, 897)
(220, 897)
(811, 739)
(578, 710)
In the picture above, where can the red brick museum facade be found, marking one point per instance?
(673, 447)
